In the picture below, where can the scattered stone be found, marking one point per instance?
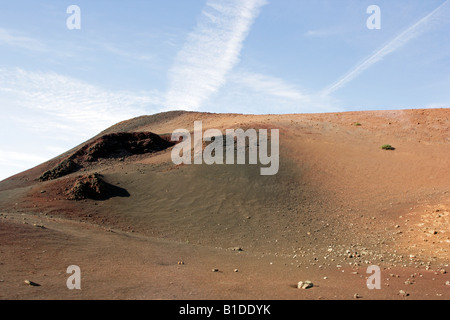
(38, 226)
(356, 296)
(238, 249)
(31, 283)
(180, 263)
(403, 293)
(305, 285)
(215, 270)
(236, 270)
(443, 271)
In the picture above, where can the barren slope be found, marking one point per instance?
(338, 200)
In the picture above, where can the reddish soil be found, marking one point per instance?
(338, 205)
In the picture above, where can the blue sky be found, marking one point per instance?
(59, 87)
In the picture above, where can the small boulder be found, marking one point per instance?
(31, 283)
(403, 293)
(304, 285)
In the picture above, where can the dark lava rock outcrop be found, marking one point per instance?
(65, 167)
(94, 187)
(118, 145)
(110, 146)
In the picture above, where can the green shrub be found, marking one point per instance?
(387, 147)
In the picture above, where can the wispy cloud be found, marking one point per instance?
(127, 54)
(15, 39)
(256, 93)
(12, 162)
(269, 85)
(19, 159)
(48, 113)
(210, 52)
(70, 102)
(420, 27)
(325, 32)
(437, 105)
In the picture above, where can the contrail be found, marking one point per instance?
(210, 52)
(415, 30)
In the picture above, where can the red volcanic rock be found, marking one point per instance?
(115, 145)
(88, 187)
